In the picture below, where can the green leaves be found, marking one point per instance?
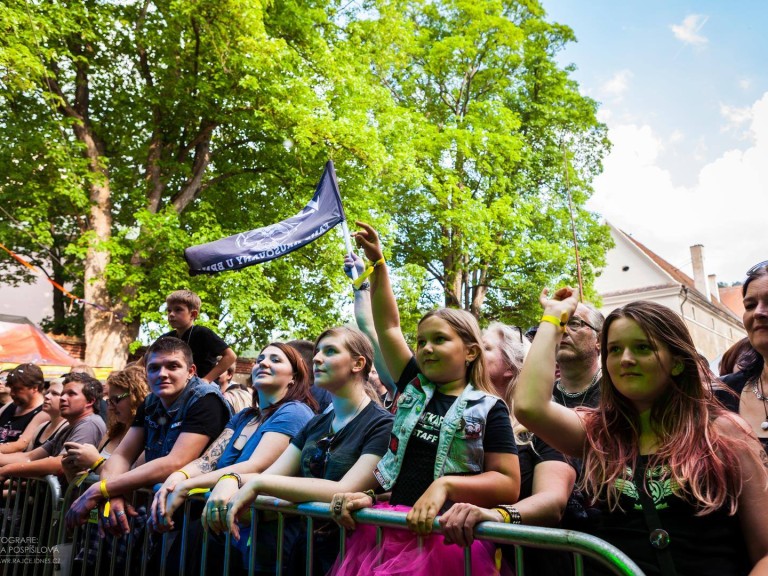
(135, 130)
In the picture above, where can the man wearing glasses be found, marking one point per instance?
(79, 397)
(578, 359)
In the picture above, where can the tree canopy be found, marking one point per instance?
(136, 129)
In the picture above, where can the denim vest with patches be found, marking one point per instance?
(460, 444)
(164, 426)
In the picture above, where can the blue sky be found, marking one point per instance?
(683, 88)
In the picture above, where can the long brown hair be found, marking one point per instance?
(468, 329)
(297, 392)
(701, 461)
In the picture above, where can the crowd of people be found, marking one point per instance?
(612, 426)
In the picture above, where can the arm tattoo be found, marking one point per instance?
(207, 462)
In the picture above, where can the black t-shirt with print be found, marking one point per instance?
(417, 470)
(12, 426)
(367, 433)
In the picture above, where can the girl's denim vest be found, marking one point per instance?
(164, 426)
(460, 445)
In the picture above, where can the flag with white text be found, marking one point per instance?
(321, 214)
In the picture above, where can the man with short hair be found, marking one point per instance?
(79, 399)
(578, 358)
(181, 416)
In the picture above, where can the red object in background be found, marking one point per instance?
(22, 342)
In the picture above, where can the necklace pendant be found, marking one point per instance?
(764, 425)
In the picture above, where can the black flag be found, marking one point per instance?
(322, 213)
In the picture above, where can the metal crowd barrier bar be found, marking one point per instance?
(36, 509)
(577, 543)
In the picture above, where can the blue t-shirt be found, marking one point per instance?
(289, 419)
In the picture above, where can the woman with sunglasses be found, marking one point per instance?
(335, 452)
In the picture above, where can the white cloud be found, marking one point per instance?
(688, 31)
(745, 83)
(724, 210)
(617, 85)
(735, 117)
(676, 136)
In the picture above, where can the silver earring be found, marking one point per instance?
(466, 363)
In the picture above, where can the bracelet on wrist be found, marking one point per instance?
(364, 286)
(98, 463)
(235, 477)
(512, 512)
(505, 517)
(103, 489)
(559, 322)
(182, 471)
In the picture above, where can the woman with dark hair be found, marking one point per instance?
(731, 361)
(750, 383)
(680, 482)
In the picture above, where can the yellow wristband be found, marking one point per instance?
(356, 283)
(505, 517)
(103, 488)
(186, 474)
(98, 463)
(552, 320)
(106, 509)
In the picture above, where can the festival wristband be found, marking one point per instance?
(560, 323)
(106, 509)
(234, 477)
(103, 488)
(98, 463)
(505, 517)
(357, 282)
(182, 471)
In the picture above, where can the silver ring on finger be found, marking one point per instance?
(337, 507)
(120, 513)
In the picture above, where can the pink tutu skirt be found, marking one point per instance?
(400, 555)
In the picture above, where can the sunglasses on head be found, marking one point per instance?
(754, 270)
(319, 459)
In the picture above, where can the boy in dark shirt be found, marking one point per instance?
(183, 310)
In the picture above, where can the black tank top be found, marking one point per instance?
(12, 426)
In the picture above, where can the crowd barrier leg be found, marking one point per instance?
(254, 533)
(309, 561)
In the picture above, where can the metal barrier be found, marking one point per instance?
(35, 509)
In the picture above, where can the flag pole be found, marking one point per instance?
(348, 244)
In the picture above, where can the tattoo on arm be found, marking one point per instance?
(207, 462)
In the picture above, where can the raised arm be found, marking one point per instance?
(364, 319)
(386, 317)
(558, 426)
